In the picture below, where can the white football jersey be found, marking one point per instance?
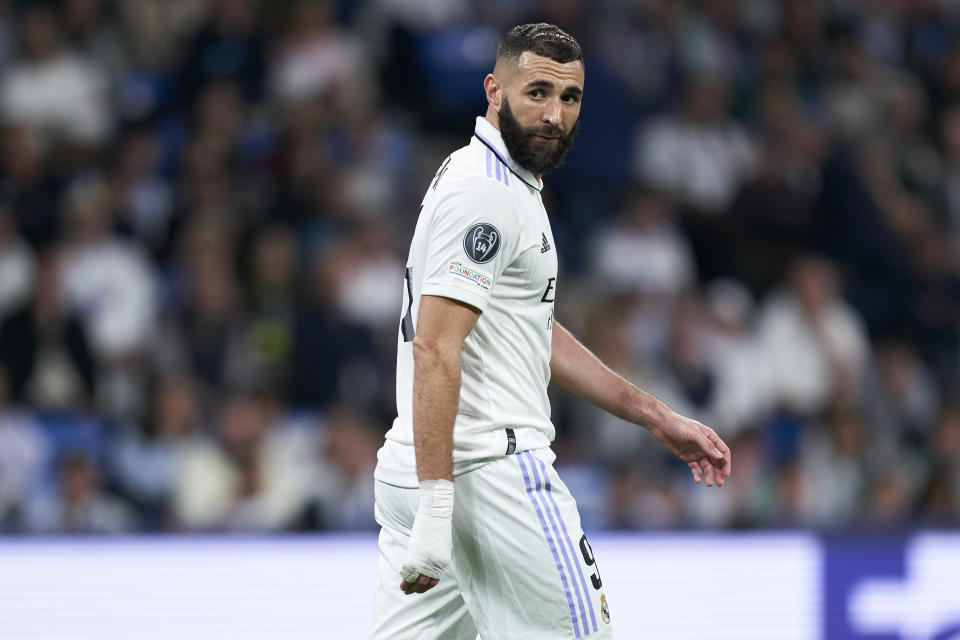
(483, 237)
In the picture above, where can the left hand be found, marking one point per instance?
(431, 538)
(698, 445)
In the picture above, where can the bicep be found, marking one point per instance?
(445, 322)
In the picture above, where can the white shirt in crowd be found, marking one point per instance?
(16, 274)
(111, 283)
(800, 354)
(65, 95)
(702, 165)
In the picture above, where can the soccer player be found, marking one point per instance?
(473, 515)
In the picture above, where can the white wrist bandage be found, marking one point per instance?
(431, 541)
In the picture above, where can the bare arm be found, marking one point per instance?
(576, 369)
(442, 326)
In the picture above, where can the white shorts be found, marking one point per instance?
(522, 568)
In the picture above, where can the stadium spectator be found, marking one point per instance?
(108, 279)
(833, 463)
(52, 88)
(775, 212)
(343, 485)
(24, 453)
(698, 155)
(146, 459)
(156, 30)
(644, 250)
(256, 477)
(271, 297)
(93, 31)
(16, 263)
(315, 58)
(743, 397)
(366, 263)
(684, 376)
(939, 500)
(950, 134)
(79, 504)
(709, 43)
(44, 347)
(905, 403)
(229, 46)
(596, 434)
(203, 330)
(31, 183)
(144, 197)
(352, 372)
(816, 345)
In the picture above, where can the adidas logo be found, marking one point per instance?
(545, 246)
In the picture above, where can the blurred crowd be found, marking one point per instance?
(205, 208)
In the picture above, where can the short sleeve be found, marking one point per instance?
(473, 236)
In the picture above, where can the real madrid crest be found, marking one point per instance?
(604, 609)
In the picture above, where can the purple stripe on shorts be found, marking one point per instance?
(506, 176)
(567, 551)
(489, 161)
(556, 509)
(553, 546)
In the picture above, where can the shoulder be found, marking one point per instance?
(475, 169)
(464, 190)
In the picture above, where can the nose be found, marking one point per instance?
(552, 113)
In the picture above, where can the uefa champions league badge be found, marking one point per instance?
(481, 242)
(604, 609)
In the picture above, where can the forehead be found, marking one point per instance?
(532, 67)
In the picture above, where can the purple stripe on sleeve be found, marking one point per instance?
(489, 161)
(553, 546)
(567, 551)
(566, 536)
(506, 176)
(498, 171)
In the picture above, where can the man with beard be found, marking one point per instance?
(477, 347)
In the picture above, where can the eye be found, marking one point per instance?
(571, 99)
(536, 93)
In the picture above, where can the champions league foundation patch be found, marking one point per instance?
(482, 242)
(462, 272)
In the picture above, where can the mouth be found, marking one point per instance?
(540, 138)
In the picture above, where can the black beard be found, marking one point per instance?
(536, 157)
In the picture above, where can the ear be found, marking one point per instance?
(491, 86)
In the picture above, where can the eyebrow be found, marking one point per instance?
(546, 84)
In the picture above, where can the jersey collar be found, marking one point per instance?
(490, 137)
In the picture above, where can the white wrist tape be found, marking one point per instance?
(431, 540)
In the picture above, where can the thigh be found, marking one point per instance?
(524, 566)
(440, 612)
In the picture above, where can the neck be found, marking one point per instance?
(493, 118)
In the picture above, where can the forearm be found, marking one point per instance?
(576, 369)
(436, 394)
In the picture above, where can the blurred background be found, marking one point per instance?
(205, 208)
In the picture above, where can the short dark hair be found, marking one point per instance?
(543, 39)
